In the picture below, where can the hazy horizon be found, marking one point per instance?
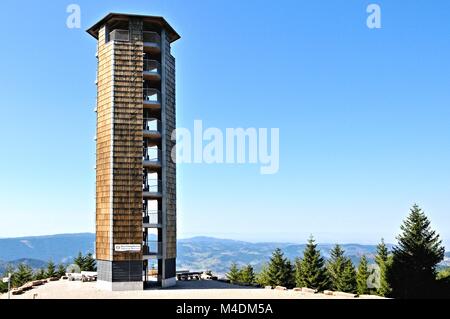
(363, 116)
(242, 238)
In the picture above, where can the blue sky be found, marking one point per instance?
(363, 116)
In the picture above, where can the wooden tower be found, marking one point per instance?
(135, 173)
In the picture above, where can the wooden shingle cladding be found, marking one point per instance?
(127, 169)
(169, 164)
(119, 148)
(104, 148)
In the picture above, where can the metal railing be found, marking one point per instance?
(152, 248)
(151, 37)
(119, 35)
(124, 35)
(152, 217)
(152, 95)
(151, 154)
(152, 124)
(152, 66)
(152, 186)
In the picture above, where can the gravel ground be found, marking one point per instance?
(203, 289)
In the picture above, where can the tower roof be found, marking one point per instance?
(117, 17)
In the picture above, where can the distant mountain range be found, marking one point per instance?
(197, 253)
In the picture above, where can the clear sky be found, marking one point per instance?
(363, 115)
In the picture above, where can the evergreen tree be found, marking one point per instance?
(23, 275)
(79, 260)
(262, 278)
(3, 286)
(347, 282)
(279, 271)
(382, 253)
(233, 274)
(335, 266)
(444, 273)
(40, 274)
(290, 274)
(51, 270)
(89, 263)
(383, 260)
(362, 276)
(419, 250)
(310, 270)
(247, 275)
(61, 271)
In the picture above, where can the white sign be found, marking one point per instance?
(5, 279)
(127, 247)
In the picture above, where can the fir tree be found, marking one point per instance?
(233, 274)
(279, 271)
(247, 275)
(79, 260)
(419, 250)
(444, 273)
(310, 270)
(3, 286)
(40, 274)
(23, 275)
(290, 274)
(262, 278)
(61, 271)
(347, 282)
(362, 276)
(382, 253)
(89, 263)
(335, 266)
(51, 270)
(383, 260)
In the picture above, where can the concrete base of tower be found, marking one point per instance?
(120, 286)
(169, 282)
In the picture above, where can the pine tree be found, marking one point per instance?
(79, 260)
(419, 250)
(347, 282)
(382, 253)
(40, 274)
(262, 278)
(23, 275)
(383, 260)
(61, 271)
(89, 263)
(51, 270)
(290, 274)
(247, 275)
(3, 287)
(279, 271)
(444, 273)
(335, 266)
(310, 270)
(233, 274)
(362, 276)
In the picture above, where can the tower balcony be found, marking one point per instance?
(119, 35)
(151, 157)
(152, 128)
(152, 42)
(152, 249)
(152, 219)
(152, 70)
(152, 98)
(152, 189)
